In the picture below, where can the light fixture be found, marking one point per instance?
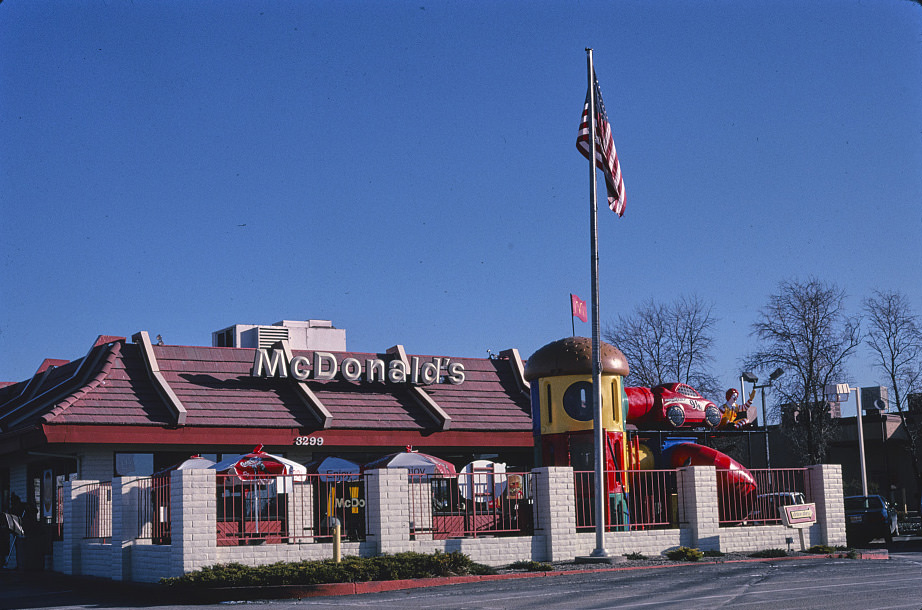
(747, 376)
(837, 392)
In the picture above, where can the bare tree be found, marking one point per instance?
(894, 336)
(805, 330)
(667, 342)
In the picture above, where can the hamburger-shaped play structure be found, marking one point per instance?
(560, 374)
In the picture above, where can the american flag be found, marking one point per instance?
(606, 157)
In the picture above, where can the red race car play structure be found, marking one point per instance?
(672, 405)
(562, 397)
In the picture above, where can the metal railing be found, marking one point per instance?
(154, 509)
(290, 508)
(98, 511)
(740, 504)
(642, 499)
(471, 505)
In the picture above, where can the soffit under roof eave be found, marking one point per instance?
(102, 434)
(22, 440)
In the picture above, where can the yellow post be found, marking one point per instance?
(337, 549)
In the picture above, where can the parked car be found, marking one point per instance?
(869, 517)
(766, 508)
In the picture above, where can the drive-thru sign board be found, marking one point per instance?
(799, 516)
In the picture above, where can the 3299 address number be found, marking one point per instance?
(314, 441)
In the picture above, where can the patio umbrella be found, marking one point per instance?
(335, 469)
(414, 462)
(260, 465)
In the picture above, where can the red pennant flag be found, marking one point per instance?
(578, 308)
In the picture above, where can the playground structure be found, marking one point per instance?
(560, 374)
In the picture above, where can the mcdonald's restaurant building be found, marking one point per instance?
(137, 406)
(78, 437)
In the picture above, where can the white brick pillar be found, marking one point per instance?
(119, 553)
(388, 509)
(824, 487)
(193, 515)
(555, 511)
(74, 525)
(698, 506)
(301, 510)
(125, 511)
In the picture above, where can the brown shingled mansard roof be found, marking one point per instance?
(203, 394)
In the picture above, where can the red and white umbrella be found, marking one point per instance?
(416, 463)
(260, 465)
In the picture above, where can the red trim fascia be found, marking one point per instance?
(141, 435)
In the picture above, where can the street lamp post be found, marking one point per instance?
(747, 376)
(838, 392)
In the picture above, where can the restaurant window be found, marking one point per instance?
(134, 464)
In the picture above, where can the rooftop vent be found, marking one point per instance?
(267, 336)
(319, 335)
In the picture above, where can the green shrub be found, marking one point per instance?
(531, 566)
(768, 553)
(636, 556)
(821, 549)
(684, 553)
(351, 569)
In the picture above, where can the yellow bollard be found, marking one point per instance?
(337, 549)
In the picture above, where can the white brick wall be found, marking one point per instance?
(490, 551)
(646, 542)
(149, 562)
(97, 466)
(194, 543)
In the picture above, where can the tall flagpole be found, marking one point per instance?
(600, 503)
(572, 321)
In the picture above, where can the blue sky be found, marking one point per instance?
(409, 170)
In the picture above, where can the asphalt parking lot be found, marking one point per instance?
(801, 583)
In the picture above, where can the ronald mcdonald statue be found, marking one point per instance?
(733, 414)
